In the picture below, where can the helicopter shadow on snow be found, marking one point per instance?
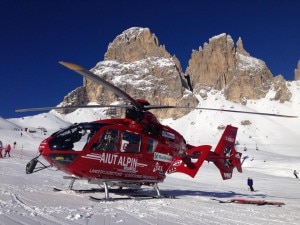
(210, 194)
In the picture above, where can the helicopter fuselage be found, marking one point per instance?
(118, 149)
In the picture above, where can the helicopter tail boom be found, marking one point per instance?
(225, 157)
(191, 161)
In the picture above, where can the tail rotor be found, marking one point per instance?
(225, 157)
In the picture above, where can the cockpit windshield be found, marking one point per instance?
(74, 137)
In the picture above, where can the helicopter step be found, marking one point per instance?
(92, 190)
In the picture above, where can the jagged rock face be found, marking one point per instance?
(253, 79)
(240, 48)
(140, 66)
(222, 66)
(297, 71)
(282, 93)
(135, 44)
(74, 98)
(137, 64)
(155, 79)
(208, 65)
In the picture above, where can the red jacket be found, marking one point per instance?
(8, 148)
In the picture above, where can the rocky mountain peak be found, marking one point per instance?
(297, 71)
(223, 66)
(240, 48)
(135, 44)
(137, 64)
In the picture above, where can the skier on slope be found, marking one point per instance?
(250, 183)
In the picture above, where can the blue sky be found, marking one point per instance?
(36, 34)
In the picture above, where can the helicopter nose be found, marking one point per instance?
(42, 146)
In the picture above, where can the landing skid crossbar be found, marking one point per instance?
(107, 198)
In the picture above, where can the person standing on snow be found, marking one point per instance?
(7, 150)
(250, 183)
(296, 174)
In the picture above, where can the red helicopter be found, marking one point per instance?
(133, 151)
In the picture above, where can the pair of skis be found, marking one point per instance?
(250, 201)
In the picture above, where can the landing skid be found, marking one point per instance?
(132, 197)
(123, 194)
(106, 183)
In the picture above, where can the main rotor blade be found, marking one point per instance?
(149, 107)
(74, 107)
(213, 109)
(86, 73)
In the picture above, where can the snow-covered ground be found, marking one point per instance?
(29, 199)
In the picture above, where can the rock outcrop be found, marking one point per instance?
(282, 92)
(75, 98)
(297, 71)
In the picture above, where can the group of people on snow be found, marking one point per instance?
(7, 149)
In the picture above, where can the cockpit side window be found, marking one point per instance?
(74, 137)
(108, 141)
(131, 142)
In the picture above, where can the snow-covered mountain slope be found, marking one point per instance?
(7, 125)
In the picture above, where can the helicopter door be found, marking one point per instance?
(108, 141)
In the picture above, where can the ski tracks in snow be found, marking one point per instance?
(37, 205)
(19, 211)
